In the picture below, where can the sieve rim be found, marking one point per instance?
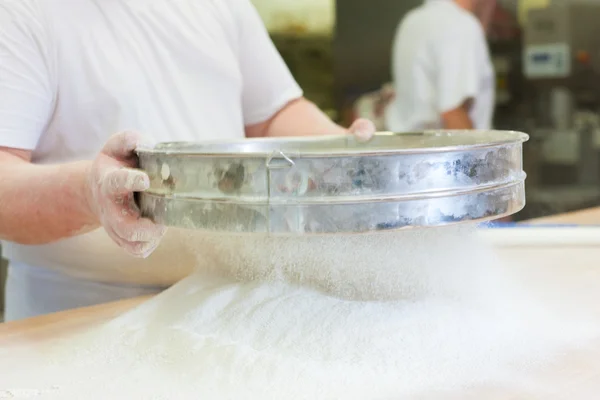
(340, 145)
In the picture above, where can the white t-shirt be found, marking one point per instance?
(440, 59)
(74, 72)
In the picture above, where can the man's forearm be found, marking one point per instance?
(298, 118)
(42, 204)
(457, 119)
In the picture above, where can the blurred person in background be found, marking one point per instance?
(75, 73)
(441, 68)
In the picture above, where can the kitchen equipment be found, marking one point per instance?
(335, 184)
(561, 65)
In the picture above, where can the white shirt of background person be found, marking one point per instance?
(441, 68)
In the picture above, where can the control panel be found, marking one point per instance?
(546, 61)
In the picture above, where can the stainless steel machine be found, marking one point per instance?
(561, 65)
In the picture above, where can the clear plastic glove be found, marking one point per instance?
(112, 181)
(362, 129)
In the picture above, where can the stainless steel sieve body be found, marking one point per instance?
(335, 184)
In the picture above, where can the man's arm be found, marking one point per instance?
(38, 204)
(298, 118)
(302, 118)
(42, 204)
(272, 101)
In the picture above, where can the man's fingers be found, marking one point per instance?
(136, 249)
(113, 188)
(132, 228)
(363, 129)
(122, 181)
(121, 146)
(140, 249)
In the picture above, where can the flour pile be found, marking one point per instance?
(381, 316)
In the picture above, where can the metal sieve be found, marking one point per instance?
(335, 184)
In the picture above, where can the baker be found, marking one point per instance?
(78, 80)
(441, 68)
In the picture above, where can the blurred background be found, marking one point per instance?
(546, 54)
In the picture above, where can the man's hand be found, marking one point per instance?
(112, 183)
(362, 129)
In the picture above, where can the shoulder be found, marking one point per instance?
(236, 7)
(441, 23)
(413, 19)
(26, 15)
(19, 9)
(458, 23)
(237, 14)
(24, 31)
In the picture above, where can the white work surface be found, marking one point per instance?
(571, 261)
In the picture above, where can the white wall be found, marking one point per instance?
(309, 15)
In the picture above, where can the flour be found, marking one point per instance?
(22, 393)
(367, 317)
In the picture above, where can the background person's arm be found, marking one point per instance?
(484, 10)
(458, 118)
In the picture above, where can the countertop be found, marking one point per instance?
(589, 216)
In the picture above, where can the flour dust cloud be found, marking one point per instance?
(353, 317)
